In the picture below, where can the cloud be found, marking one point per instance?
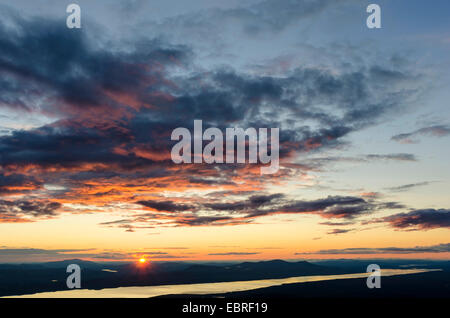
(195, 220)
(26, 211)
(339, 207)
(336, 223)
(253, 202)
(33, 254)
(440, 248)
(339, 231)
(394, 156)
(39, 61)
(140, 143)
(433, 131)
(18, 183)
(112, 101)
(406, 187)
(112, 111)
(248, 210)
(318, 163)
(262, 18)
(168, 206)
(235, 253)
(422, 219)
(16, 255)
(36, 251)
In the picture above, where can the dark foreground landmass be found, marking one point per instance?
(20, 279)
(401, 295)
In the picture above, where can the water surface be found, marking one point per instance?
(205, 288)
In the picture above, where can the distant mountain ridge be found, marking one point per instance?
(262, 269)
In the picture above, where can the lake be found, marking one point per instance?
(204, 288)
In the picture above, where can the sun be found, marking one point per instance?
(142, 260)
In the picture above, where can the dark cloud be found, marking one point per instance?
(440, 248)
(434, 131)
(168, 206)
(39, 56)
(60, 146)
(246, 211)
(253, 202)
(116, 109)
(391, 205)
(409, 186)
(196, 220)
(339, 231)
(26, 211)
(423, 219)
(141, 111)
(346, 207)
(336, 223)
(225, 97)
(36, 251)
(330, 207)
(18, 183)
(123, 221)
(394, 156)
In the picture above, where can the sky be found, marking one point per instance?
(86, 117)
